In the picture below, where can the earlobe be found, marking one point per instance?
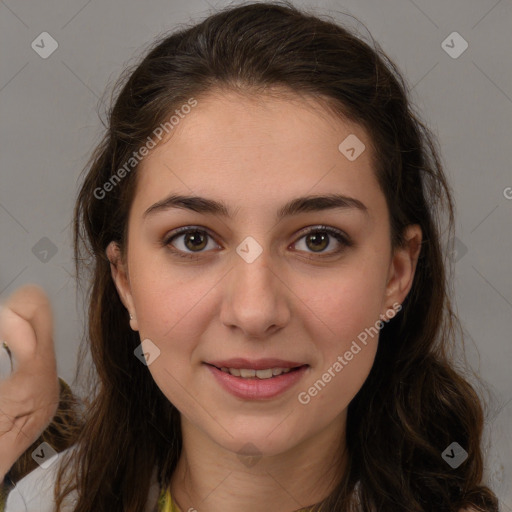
(121, 280)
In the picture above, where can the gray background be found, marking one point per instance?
(49, 125)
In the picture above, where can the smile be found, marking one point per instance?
(261, 384)
(247, 373)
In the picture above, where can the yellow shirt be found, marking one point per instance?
(165, 503)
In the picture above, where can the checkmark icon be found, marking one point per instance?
(450, 455)
(454, 455)
(44, 250)
(45, 455)
(454, 45)
(351, 147)
(147, 352)
(44, 45)
(249, 249)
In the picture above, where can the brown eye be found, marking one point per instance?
(195, 240)
(317, 240)
(187, 241)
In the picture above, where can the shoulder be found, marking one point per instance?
(35, 490)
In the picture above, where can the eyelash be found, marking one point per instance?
(340, 236)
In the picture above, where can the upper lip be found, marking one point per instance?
(255, 364)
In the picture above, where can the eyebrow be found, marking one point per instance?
(295, 206)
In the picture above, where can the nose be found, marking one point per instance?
(255, 299)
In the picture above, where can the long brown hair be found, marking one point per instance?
(414, 403)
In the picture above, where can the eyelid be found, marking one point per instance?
(322, 227)
(166, 241)
(340, 236)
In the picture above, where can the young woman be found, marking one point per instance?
(269, 313)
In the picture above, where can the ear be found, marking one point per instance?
(403, 266)
(119, 271)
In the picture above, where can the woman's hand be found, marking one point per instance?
(29, 397)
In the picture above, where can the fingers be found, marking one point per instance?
(29, 397)
(19, 336)
(5, 363)
(26, 324)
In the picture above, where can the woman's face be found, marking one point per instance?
(264, 280)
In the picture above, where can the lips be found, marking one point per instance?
(255, 364)
(236, 376)
(246, 373)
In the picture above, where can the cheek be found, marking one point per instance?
(170, 314)
(167, 296)
(347, 338)
(353, 301)
(331, 388)
(174, 309)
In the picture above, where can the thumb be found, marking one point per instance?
(26, 324)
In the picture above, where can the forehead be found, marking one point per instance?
(242, 146)
(242, 121)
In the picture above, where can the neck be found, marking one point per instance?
(209, 477)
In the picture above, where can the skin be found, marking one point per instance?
(256, 154)
(29, 396)
(255, 309)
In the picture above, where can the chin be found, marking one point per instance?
(262, 440)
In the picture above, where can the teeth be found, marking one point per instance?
(260, 374)
(264, 374)
(246, 373)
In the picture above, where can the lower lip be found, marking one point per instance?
(254, 388)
